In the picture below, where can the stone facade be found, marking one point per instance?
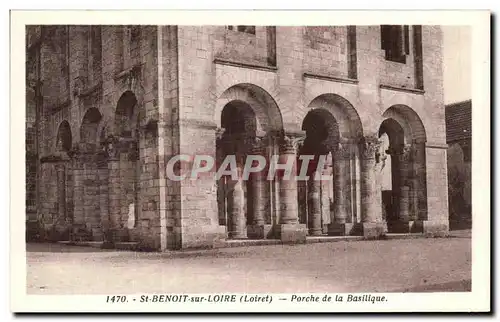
(116, 103)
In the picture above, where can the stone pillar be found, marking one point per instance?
(403, 222)
(114, 189)
(289, 229)
(326, 187)
(258, 228)
(371, 209)
(103, 177)
(61, 191)
(340, 225)
(404, 210)
(221, 189)
(314, 202)
(78, 196)
(236, 208)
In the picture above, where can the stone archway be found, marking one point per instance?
(123, 169)
(249, 124)
(87, 214)
(64, 141)
(407, 137)
(333, 129)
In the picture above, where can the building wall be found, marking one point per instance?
(303, 72)
(182, 77)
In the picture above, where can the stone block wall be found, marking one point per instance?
(326, 50)
(183, 76)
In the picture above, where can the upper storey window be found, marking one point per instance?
(247, 29)
(395, 42)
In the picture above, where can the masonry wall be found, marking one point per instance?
(77, 76)
(182, 77)
(209, 65)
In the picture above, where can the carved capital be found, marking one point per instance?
(343, 150)
(258, 146)
(290, 144)
(60, 167)
(111, 148)
(219, 133)
(405, 155)
(370, 148)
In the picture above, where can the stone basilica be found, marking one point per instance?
(108, 106)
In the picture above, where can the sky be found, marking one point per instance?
(457, 63)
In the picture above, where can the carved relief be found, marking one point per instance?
(79, 85)
(111, 148)
(370, 148)
(290, 144)
(258, 146)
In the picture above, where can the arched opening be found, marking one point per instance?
(406, 201)
(126, 212)
(126, 115)
(64, 137)
(250, 123)
(239, 123)
(316, 196)
(88, 130)
(393, 182)
(87, 212)
(329, 205)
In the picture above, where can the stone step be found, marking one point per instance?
(94, 244)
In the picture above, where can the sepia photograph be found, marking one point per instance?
(257, 164)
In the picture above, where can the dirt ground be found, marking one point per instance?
(412, 265)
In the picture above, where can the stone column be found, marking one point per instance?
(371, 194)
(114, 189)
(61, 191)
(78, 197)
(340, 225)
(103, 177)
(326, 187)
(289, 230)
(404, 161)
(258, 229)
(314, 202)
(221, 189)
(404, 210)
(236, 208)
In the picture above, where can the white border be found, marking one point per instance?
(477, 300)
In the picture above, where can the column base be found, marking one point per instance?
(341, 229)
(238, 235)
(315, 232)
(404, 227)
(292, 233)
(260, 231)
(374, 230)
(436, 228)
